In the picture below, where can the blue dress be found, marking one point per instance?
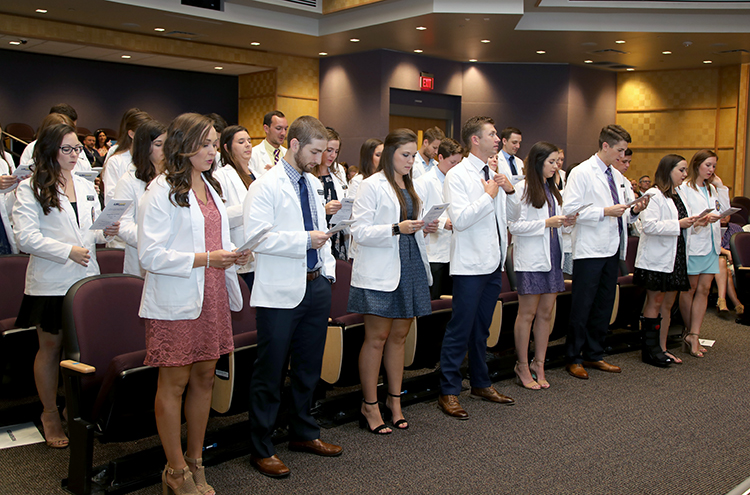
(412, 296)
(708, 263)
(545, 282)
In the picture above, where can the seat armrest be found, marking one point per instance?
(82, 368)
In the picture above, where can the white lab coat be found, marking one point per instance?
(7, 199)
(233, 192)
(260, 158)
(430, 190)
(531, 239)
(420, 167)
(281, 257)
(596, 235)
(169, 236)
(27, 158)
(378, 262)
(696, 201)
(130, 187)
(477, 219)
(50, 238)
(501, 160)
(660, 222)
(114, 168)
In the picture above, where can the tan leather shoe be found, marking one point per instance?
(450, 406)
(317, 447)
(492, 395)
(577, 371)
(602, 366)
(272, 466)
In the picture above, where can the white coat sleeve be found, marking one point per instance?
(574, 197)
(128, 227)
(259, 210)
(364, 209)
(652, 222)
(522, 226)
(464, 213)
(27, 214)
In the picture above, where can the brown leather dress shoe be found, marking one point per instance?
(603, 366)
(450, 406)
(577, 371)
(270, 466)
(492, 395)
(317, 447)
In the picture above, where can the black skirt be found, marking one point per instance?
(42, 311)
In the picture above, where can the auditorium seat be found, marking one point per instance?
(111, 260)
(506, 310)
(739, 245)
(738, 219)
(430, 330)
(18, 346)
(109, 391)
(21, 131)
(743, 200)
(742, 213)
(630, 297)
(82, 132)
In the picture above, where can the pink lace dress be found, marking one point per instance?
(183, 342)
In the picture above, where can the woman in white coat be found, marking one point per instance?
(7, 184)
(537, 260)
(703, 190)
(148, 162)
(333, 179)
(235, 178)
(122, 158)
(390, 276)
(190, 287)
(661, 261)
(53, 212)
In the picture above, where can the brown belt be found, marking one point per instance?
(313, 275)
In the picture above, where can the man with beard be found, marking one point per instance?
(425, 159)
(294, 270)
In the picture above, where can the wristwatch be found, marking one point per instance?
(395, 230)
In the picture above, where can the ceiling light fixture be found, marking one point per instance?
(708, 61)
(161, 30)
(218, 67)
(620, 42)
(14, 42)
(125, 56)
(421, 28)
(354, 40)
(417, 51)
(666, 52)
(630, 69)
(255, 43)
(588, 61)
(472, 60)
(41, 11)
(323, 54)
(485, 41)
(540, 52)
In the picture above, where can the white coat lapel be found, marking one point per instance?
(197, 224)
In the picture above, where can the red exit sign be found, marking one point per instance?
(426, 81)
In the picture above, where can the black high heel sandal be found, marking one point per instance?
(401, 422)
(364, 424)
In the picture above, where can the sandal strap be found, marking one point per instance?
(369, 403)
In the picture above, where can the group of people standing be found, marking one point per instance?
(192, 211)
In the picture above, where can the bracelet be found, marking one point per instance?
(208, 259)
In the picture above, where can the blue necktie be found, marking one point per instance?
(312, 254)
(512, 162)
(615, 198)
(486, 171)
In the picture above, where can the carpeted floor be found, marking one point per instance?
(678, 430)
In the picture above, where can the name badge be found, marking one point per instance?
(320, 191)
(344, 187)
(89, 198)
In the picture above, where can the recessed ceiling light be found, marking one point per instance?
(161, 30)
(540, 52)
(41, 11)
(485, 41)
(14, 42)
(219, 67)
(708, 61)
(125, 56)
(666, 52)
(417, 51)
(619, 42)
(630, 69)
(421, 28)
(255, 43)
(323, 54)
(588, 61)
(354, 40)
(472, 60)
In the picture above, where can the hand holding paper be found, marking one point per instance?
(115, 209)
(434, 212)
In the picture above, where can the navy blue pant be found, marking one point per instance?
(300, 335)
(474, 300)
(593, 296)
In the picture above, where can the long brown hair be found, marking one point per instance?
(695, 163)
(393, 141)
(142, 142)
(185, 136)
(335, 167)
(130, 122)
(663, 174)
(366, 166)
(47, 174)
(534, 193)
(225, 148)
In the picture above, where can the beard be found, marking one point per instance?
(305, 167)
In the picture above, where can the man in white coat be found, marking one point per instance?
(425, 159)
(600, 241)
(511, 142)
(481, 202)
(294, 270)
(269, 152)
(429, 187)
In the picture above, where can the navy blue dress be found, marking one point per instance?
(412, 296)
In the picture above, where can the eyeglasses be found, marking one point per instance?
(67, 149)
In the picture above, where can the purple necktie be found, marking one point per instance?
(615, 198)
(276, 156)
